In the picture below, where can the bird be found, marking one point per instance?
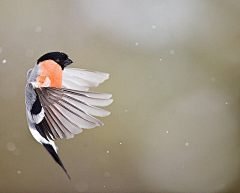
(58, 101)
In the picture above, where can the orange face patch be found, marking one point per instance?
(43, 81)
(53, 71)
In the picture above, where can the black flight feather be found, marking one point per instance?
(37, 107)
(55, 156)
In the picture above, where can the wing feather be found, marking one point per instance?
(73, 85)
(87, 97)
(81, 109)
(58, 122)
(61, 130)
(67, 111)
(82, 78)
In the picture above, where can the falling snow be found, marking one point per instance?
(172, 52)
(136, 43)
(154, 26)
(4, 61)
(38, 29)
(11, 146)
(186, 144)
(213, 79)
(106, 174)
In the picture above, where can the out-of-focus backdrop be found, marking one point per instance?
(175, 80)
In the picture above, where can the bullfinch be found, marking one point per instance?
(58, 103)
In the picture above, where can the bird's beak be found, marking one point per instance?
(67, 62)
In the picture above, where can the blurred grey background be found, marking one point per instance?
(175, 76)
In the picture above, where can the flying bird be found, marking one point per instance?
(58, 103)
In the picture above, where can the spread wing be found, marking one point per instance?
(67, 111)
(81, 79)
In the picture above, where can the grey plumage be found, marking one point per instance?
(30, 94)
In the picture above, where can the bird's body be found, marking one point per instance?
(58, 104)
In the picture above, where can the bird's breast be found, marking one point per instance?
(53, 71)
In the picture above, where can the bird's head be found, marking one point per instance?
(59, 57)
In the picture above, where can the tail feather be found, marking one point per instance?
(55, 156)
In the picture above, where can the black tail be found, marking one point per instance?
(55, 156)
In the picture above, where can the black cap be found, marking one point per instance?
(59, 57)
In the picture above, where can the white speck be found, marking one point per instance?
(38, 29)
(172, 52)
(127, 45)
(106, 174)
(157, 151)
(183, 166)
(4, 61)
(226, 103)
(108, 151)
(11, 146)
(81, 186)
(136, 43)
(0, 50)
(19, 172)
(160, 59)
(166, 131)
(29, 53)
(154, 26)
(213, 79)
(104, 186)
(186, 144)
(126, 111)
(120, 143)
(118, 186)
